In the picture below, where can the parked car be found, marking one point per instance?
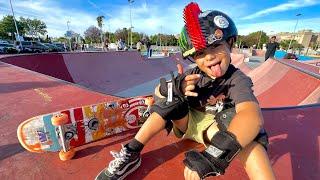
(54, 47)
(6, 48)
(35, 46)
(61, 46)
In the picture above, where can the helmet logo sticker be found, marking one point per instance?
(221, 22)
(218, 34)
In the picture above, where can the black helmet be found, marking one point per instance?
(203, 29)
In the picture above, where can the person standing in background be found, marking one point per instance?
(272, 46)
(139, 44)
(149, 50)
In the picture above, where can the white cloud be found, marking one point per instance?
(280, 26)
(283, 7)
(52, 14)
(145, 18)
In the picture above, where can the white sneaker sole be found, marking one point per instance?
(131, 170)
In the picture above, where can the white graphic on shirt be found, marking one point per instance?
(215, 104)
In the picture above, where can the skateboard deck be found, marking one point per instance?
(82, 125)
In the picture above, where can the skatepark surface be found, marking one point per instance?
(30, 85)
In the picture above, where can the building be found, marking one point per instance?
(305, 37)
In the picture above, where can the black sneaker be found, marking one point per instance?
(124, 163)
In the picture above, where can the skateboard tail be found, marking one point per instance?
(36, 147)
(38, 135)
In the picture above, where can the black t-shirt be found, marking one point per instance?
(234, 85)
(271, 49)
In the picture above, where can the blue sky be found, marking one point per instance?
(153, 16)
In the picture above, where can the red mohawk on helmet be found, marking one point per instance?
(190, 15)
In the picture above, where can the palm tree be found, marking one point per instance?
(100, 23)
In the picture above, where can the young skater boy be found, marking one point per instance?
(212, 104)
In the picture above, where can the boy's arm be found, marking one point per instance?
(247, 122)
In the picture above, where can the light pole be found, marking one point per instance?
(130, 2)
(68, 35)
(160, 37)
(109, 32)
(15, 23)
(259, 39)
(294, 31)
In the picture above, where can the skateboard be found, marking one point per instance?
(64, 130)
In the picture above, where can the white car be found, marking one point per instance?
(3, 42)
(6, 48)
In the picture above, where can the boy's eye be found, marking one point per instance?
(199, 53)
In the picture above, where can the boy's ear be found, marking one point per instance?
(231, 42)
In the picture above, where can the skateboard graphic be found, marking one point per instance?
(64, 130)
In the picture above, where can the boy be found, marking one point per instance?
(212, 104)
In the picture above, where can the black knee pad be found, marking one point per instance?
(224, 118)
(262, 138)
(176, 109)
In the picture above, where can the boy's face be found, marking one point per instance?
(214, 60)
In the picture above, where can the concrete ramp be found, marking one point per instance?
(278, 83)
(113, 73)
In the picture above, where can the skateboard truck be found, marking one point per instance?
(59, 120)
(149, 101)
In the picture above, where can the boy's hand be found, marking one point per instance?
(189, 82)
(190, 175)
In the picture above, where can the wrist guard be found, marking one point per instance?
(174, 106)
(172, 88)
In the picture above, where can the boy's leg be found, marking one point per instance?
(150, 128)
(255, 160)
(128, 159)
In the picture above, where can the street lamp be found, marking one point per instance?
(294, 31)
(15, 23)
(130, 2)
(259, 39)
(68, 35)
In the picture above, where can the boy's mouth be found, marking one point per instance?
(215, 69)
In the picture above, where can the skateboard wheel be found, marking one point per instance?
(149, 101)
(64, 156)
(59, 119)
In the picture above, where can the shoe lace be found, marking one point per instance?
(119, 159)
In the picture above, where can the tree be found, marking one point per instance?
(294, 44)
(110, 36)
(34, 27)
(122, 34)
(166, 40)
(100, 23)
(8, 29)
(61, 39)
(256, 38)
(92, 34)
